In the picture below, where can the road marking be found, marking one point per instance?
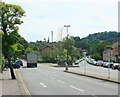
(22, 84)
(42, 72)
(61, 81)
(42, 84)
(76, 88)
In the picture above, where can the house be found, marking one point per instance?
(49, 47)
(115, 53)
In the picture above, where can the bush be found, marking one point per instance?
(96, 56)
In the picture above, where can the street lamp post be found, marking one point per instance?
(67, 50)
(67, 28)
(84, 62)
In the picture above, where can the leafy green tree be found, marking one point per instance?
(17, 50)
(28, 50)
(99, 48)
(10, 19)
(96, 56)
(68, 44)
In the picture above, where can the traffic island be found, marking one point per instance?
(94, 76)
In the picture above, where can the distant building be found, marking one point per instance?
(49, 47)
(115, 53)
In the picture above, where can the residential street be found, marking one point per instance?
(46, 80)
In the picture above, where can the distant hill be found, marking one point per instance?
(100, 36)
(94, 39)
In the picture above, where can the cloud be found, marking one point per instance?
(84, 16)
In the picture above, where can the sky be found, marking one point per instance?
(84, 17)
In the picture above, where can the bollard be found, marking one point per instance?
(66, 66)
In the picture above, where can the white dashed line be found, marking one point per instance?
(61, 81)
(42, 72)
(42, 84)
(76, 88)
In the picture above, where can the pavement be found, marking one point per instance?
(10, 86)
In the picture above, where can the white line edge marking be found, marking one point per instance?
(76, 88)
(60, 81)
(42, 84)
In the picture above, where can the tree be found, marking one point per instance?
(68, 44)
(17, 50)
(10, 19)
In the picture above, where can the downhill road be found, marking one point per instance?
(46, 80)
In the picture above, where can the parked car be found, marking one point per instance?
(119, 67)
(115, 66)
(100, 63)
(88, 61)
(19, 62)
(108, 64)
(80, 60)
(104, 64)
(6, 65)
(77, 61)
(14, 65)
(93, 62)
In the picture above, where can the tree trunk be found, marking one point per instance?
(11, 68)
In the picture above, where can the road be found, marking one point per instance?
(96, 70)
(46, 80)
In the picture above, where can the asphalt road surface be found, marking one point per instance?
(46, 80)
(85, 67)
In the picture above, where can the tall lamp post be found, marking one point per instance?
(67, 31)
(67, 50)
(67, 28)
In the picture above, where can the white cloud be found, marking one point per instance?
(84, 16)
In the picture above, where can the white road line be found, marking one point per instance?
(42, 72)
(76, 88)
(61, 81)
(42, 84)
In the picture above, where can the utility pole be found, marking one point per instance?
(67, 50)
(52, 41)
(52, 35)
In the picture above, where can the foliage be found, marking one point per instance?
(68, 44)
(108, 47)
(96, 56)
(92, 40)
(36, 46)
(17, 50)
(28, 50)
(10, 19)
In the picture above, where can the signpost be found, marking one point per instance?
(84, 52)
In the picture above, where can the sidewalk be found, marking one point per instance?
(7, 85)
